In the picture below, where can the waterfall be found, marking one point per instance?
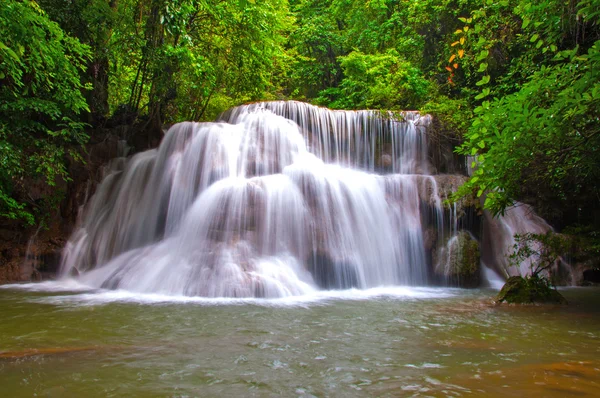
(499, 239)
(274, 199)
(385, 142)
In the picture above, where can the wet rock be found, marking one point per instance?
(531, 290)
(430, 239)
(332, 274)
(385, 162)
(458, 261)
(447, 185)
(384, 158)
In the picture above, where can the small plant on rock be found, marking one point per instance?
(543, 252)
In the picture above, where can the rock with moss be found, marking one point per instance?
(529, 290)
(458, 261)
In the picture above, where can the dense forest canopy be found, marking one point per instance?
(515, 82)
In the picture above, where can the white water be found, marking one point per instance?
(85, 295)
(491, 278)
(519, 219)
(276, 199)
(259, 206)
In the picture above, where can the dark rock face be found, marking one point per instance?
(23, 258)
(330, 274)
(35, 259)
(533, 290)
(591, 276)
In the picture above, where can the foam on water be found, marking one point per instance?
(80, 294)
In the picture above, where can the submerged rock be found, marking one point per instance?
(533, 290)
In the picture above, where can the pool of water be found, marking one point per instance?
(60, 339)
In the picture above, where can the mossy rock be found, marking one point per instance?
(458, 261)
(530, 290)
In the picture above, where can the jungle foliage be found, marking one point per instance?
(40, 102)
(516, 80)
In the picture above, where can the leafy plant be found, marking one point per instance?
(381, 81)
(541, 251)
(40, 102)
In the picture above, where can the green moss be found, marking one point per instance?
(468, 262)
(459, 262)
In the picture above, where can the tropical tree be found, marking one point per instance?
(41, 98)
(539, 143)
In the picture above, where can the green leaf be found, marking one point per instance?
(484, 80)
(11, 53)
(483, 55)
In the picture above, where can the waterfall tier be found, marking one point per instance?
(274, 199)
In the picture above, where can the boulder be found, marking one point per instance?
(531, 290)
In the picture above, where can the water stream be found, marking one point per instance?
(60, 339)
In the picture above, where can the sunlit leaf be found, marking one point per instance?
(483, 55)
(483, 81)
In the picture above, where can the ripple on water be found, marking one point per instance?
(347, 343)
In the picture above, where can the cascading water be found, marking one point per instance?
(276, 199)
(499, 239)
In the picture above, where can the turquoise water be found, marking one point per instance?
(61, 340)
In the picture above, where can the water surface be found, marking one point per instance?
(380, 342)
